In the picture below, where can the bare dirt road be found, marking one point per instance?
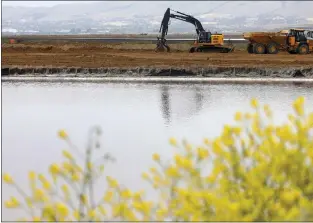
(93, 55)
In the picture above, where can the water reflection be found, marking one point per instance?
(188, 102)
(199, 98)
(165, 104)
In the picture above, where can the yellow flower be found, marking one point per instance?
(267, 111)
(89, 166)
(178, 159)
(187, 163)
(29, 202)
(75, 177)
(64, 188)
(36, 218)
(54, 169)
(7, 179)
(188, 147)
(13, 203)
(298, 106)
(172, 171)
(289, 197)
(238, 116)
(83, 198)
(156, 157)
(39, 194)
(203, 153)
(41, 177)
(67, 154)
(161, 213)
(217, 148)
(248, 116)
(102, 210)
(32, 175)
(91, 214)
(153, 170)
(254, 103)
(145, 176)
(138, 195)
(45, 183)
(108, 196)
(126, 194)
(173, 141)
(62, 134)
(62, 209)
(112, 182)
(206, 141)
(76, 214)
(48, 212)
(67, 166)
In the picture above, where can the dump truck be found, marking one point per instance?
(294, 41)
(205, 42)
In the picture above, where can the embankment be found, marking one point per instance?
(230, 72)
(139, 60)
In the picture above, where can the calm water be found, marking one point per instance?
(136, 119)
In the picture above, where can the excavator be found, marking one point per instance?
(205, 42)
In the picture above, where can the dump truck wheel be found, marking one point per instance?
(259, 48)
(250, 48)
(272, 48)
(303, 49)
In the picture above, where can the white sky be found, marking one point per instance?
(40, 3)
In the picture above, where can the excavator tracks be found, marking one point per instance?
(211, 49)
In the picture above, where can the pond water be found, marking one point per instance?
(136, 120)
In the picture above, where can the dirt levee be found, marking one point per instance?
(126, 55)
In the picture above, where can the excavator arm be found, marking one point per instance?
(161, 42)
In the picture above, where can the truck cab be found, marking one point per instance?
(300, 41)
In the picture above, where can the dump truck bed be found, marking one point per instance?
(265, 38)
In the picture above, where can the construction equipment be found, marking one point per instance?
(294, 41)
(205, 42)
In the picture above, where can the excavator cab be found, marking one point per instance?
(204, 37)
(207, 41)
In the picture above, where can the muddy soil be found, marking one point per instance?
(93, 55)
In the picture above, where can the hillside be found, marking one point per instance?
(145, 17)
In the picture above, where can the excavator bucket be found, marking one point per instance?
(162, 46)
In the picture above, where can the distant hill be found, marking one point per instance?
(145, 17)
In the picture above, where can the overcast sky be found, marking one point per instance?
(40, 3)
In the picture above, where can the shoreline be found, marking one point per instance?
(172, 80)
(141, 72)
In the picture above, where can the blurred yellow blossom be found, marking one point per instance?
(156, 157)
(62, 134)
(173, 141)
(7, 178)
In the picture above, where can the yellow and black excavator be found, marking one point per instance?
(205, 42)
